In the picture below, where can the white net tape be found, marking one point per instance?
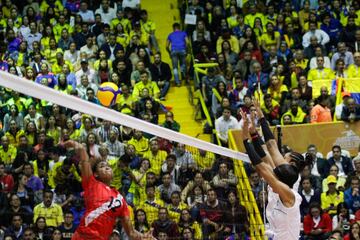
(45, 93)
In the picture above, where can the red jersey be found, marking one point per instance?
(7, 182)
(103, 204)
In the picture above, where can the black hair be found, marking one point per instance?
(136, 221)
(301, 161)
(287, 174)
(336, 146)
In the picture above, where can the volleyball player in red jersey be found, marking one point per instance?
(103, 204)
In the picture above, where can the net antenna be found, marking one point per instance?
(39, 91)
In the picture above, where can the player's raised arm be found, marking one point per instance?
(270, 141)
(258, 143)
(132, 233)
(85, 164)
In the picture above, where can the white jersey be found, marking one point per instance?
(284, 222)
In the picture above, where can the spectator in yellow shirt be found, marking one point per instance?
(156, 156)
(57, 67)
(176, 206)
(234, 42)
(270, 38)
(149, 27)
(354, 69)
(253, 14)
(57, 5)
(14, 133)
(153, 88)
(140, 143)
(151, 205)
(7, 151)
(320, 72)
(331, 198)
(122, 20)
(52, 212)
(60, 25)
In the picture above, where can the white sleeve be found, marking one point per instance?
(306, 40)
(334, 222)
(324, 37)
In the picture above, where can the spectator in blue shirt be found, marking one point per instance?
(352, 195)
(176, 45)
(332, 27)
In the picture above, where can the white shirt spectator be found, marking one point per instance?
(71, 57)
(87, 16)
(313, 63)
(24, 31)
(223, 124)
(89, 72)
(32, 37)
(90, 52)
(323, 37)
(107, 16)
(346, 56)
(131, 4)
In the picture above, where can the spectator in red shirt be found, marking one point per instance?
(6, 180)
(317, 224)
(212, 213)
(164, 224)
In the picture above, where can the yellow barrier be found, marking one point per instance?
(350, 85)
(246, 196)
(323, 135)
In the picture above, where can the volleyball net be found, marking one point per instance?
(224, 169)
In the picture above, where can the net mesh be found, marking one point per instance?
(139, 157)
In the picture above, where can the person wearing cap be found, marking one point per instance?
(331, 198)
(85, 70)
(339, 107)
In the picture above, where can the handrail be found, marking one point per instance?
(198, 95)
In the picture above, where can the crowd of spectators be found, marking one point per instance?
(74, 46)
(273, 49)
(276, 50)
